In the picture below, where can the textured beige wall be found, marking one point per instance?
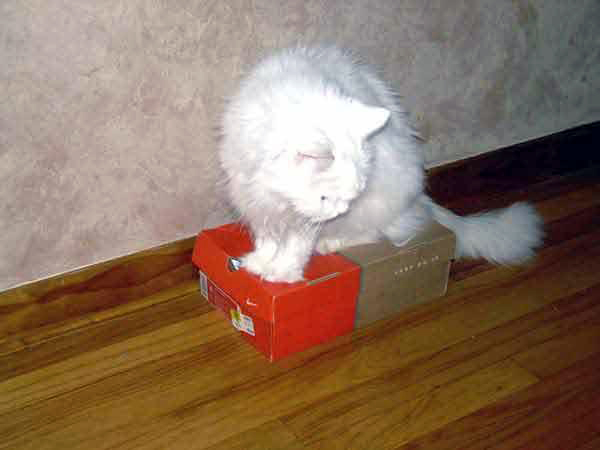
(108, 107)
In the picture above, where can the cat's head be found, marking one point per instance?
(322, 163)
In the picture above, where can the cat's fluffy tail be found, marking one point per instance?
(503, 236)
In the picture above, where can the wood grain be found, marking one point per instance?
(404, 415)
(59, 343)
(593, 444)
(562, 351)
(457, 361)
(165, 271)
(541, 416)
(182, 395)
(127, 354)
(270, 436)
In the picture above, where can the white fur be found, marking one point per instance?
(503, 236)
(319, 155)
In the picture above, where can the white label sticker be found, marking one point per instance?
(203, 284)
(241, 321)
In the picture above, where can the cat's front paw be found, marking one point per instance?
(271, 269)
(260, 259)
(255, 262)
(328, 245)
(284, 274)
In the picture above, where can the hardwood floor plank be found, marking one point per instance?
(400, 417)
(195, 428)
(562, 206)
(457, 361)
(567, 395)
(547, 259)
(97, 288)
(84, 316)
(549, 357)
(218, 398)
(593, 444)
(42, 349)
(270, 436)
(511, 422)
(195, 371)
(87, 368)
(576, 431)
(580, 223)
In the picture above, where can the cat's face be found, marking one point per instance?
(326, 163)
(327, 177)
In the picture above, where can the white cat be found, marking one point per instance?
(318, 154)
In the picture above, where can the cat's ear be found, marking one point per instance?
(366, 120)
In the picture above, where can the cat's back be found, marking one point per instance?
(308, 68)
(327, 62)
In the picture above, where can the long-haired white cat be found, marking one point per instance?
(319, 156)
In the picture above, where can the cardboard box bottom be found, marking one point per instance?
(394, 279)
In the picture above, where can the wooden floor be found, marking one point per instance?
(509, 358)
